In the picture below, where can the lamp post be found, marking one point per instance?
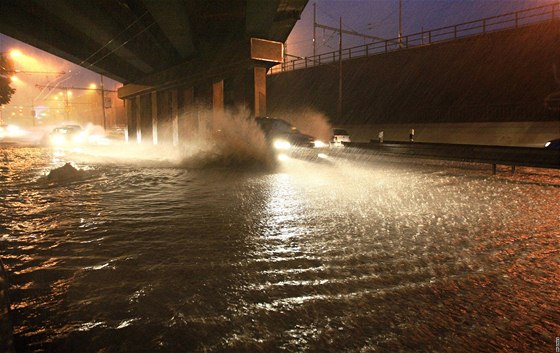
(103, 103)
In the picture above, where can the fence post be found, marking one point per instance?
(386, 46)
(430, 37)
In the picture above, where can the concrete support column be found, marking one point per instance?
(218, 98)
(175, 117)
(154, 117)
(187, 122)
(203, 103)
(145, 112)
(130, 122)
(137, 109)
(259, 82)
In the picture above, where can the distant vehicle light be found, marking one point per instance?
(547, 144)
(11, 131)
(319, 144)
(281, 144)
(283, 157)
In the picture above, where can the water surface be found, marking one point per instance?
(376, 255)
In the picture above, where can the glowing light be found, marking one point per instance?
(547, 144)
(322, 155)
(319, 144)
(15, 53)
(282, 157)
(14, 78)
(92, 86)
(58, 140)
(281, 144)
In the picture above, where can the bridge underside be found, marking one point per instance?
(171, 55)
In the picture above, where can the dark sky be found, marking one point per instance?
(380, 18)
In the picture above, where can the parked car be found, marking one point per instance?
(553, 144)
(339, 137)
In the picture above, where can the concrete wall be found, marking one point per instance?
(499, 78)
(527, 134)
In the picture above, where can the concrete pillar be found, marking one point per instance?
(218, 98)
(203, 103)
(175, 117)
(259, 82)
(137, 118)
(187, 122)
(145, 107)
(154, 115)
(130, 122)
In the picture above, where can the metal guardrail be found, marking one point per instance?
(495, 155)
(511, 20)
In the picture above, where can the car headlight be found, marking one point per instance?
(319, 144)
(58, 139)
(79, 138)
(547, 144)
(281, 144)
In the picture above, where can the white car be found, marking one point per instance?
(339, 137)
(67, 135)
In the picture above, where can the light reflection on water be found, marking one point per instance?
(376, 256)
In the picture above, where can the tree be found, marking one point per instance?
(6, 69)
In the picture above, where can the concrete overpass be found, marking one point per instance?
(172, 55)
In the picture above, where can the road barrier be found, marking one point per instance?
(494, 155)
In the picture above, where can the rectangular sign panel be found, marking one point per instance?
(267, 50)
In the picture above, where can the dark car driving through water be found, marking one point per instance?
(282, 135)
(285, 140)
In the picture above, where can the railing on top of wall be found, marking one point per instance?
(463, 30)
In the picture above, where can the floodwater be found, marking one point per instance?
(368, 255)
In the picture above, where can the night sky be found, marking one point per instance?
(380, 18)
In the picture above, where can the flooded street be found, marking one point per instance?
(370, 255)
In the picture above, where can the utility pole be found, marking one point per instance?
(314, 31)
(400, 23)
(102, 90)
(66, 105)
(103, 103)
(340, 72)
